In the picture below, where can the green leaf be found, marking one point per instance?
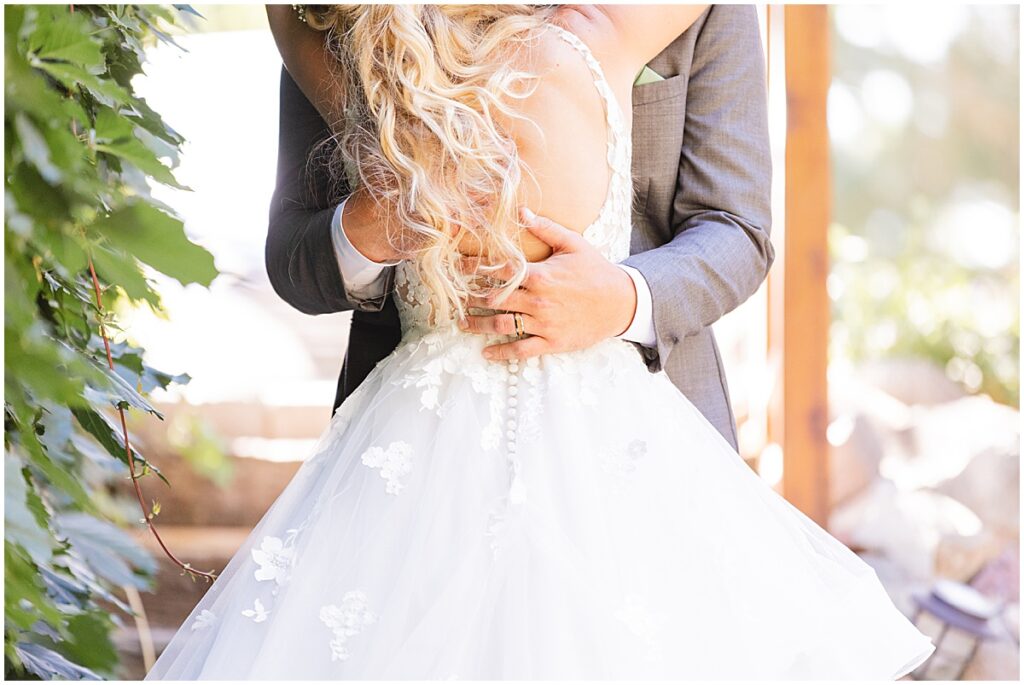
(43, 366)
(111, 126)
(158, 240)
(35, 149)
(14, 18)
(75, 576)
(108, 550)
(89, 644)
(20, 524)
(37, 200)
(61, 35)
(117, 266)
(63, 588)
(164, 37)
(118, 391)
(61, 479)
(111, 438)
(25, 598)
(50, 665)
(65, 249)
(74, 77)
(130, 366)
(189, 9)
(157, 145)
(136, 153)
(151, 121)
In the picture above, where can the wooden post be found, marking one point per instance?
(806, 305)
(771, 461)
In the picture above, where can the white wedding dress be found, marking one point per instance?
(568, 516)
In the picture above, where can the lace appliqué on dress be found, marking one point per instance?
(345, 621)
(622, 462)
(274, 560)
(205, 619)
(642, 622)
(258, 613)
(393, 462)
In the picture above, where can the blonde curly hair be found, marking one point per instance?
(419, 90)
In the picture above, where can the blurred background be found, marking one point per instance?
(875, 376)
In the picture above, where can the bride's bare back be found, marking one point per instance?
(564, 140)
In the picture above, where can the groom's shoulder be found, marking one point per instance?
(729, 23)
(731, 28)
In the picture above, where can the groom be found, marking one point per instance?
(701, 218)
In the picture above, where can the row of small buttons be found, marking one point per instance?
(516, 492)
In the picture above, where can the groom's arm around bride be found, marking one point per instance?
(701, 220)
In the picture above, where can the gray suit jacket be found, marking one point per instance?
(702, 177)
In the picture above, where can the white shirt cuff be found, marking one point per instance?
(363, 277)
(641, 330)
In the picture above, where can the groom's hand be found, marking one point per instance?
(571, 300)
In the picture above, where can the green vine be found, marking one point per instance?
(81, 149)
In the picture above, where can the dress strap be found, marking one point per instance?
(618, 138)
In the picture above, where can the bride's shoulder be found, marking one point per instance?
(563, 73)
(591, 23)
(628, 36)
(598, 30)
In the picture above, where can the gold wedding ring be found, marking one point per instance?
(518, 319)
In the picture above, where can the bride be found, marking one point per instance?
(562, 516)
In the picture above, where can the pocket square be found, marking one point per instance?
(647, 75)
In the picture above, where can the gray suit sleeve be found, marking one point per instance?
(721, 214)
(299, 253)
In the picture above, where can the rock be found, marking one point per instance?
(947, 437)
(849, 394)
(905, 526)
(853, 462)
(959, 557)
(930, 445)
(990, 485)
(913, 381)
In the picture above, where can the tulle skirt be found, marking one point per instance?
(572, 516)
